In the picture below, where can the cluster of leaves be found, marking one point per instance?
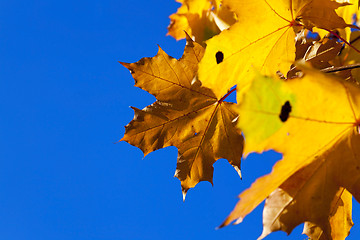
(293, 64)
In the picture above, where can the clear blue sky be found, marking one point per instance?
(65, 101)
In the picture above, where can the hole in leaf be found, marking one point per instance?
(219, 57)
(285, 111)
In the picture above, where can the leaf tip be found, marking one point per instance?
(129, 66)
(239, 220)
(122, 139)
(221, 226)
(160, 51)
(124, 64)
(224, 224)
(228, 220)
(263, 235)
(184, 191)
(237, 169)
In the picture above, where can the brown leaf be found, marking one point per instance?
(310, 195)
(339, 219)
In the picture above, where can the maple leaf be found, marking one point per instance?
(186, 115)
(347, 13)
(339, 219)
(314, 121)
(307, 196)
(201, 19)
(263, 41)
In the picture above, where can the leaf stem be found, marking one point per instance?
(346, 42)
(341, 68)
(226, 95)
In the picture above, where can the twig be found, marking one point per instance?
(226, 95)
(342, 68)
(343, 40)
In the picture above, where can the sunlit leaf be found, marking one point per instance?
(263, 41)
(185, 115)
(314, 121)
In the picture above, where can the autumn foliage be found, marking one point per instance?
(294, 65)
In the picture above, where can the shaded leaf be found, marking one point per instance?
(321, 54)
(339, 219)
(309, 196)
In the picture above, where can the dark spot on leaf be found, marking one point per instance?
(141, 61)
(285, 111)
(219, 57)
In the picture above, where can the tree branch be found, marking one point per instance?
(342, 68)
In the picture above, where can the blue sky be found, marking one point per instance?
(65, 101)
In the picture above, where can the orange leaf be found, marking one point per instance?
(185, 115)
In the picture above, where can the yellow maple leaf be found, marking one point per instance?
(264, 41)
(185, 115)
(312, 120)
(348, 12)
